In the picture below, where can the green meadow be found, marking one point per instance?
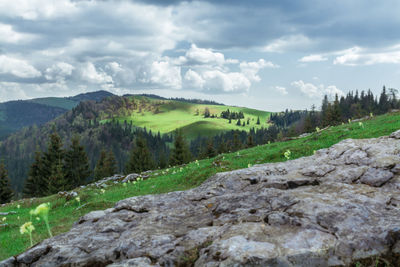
(165, 116)
(64, 213)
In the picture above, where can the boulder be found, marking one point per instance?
(338, 207)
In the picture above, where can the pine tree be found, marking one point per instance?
(99, 170)
(76, 166)
(36, 185)
(110, 164)
(5, 188)
(384, 104)
(162, 162)
(236, 144)
(180, 153)
(53, 161)
(222, 148)
(57, 181)
(238, 123)
(210, 151)
(140, 158)
(258, 120)
(206, 112)
(250, 141)
(335, 115)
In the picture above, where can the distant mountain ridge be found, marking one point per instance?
(14, 115)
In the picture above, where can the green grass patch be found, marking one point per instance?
(64, 213)
(172, 115)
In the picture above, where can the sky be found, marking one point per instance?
(264, 54)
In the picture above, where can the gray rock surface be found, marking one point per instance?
(336, 208)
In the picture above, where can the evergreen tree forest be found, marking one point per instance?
(78, 147)
(6, 192)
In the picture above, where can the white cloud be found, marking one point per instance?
(281, 90)
(8, 35)
(59, 71)
(11, 91)
(194, 80)
(115, 67)
(251, 69)
(17, 67)
(287, 43)
(36, 9)
(356, 56)
(313, 58)
(217, 81)
(91, 75)
(314, 91)
(197, 55)
(164, 74)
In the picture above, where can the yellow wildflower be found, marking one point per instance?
(26, 228)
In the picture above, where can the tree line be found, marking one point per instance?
(120, 147)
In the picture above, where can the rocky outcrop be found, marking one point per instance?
(336, 208)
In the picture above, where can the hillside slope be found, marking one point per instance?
(165, 116)
(337, 207)
(112, 124)
(65, 212)
(15, 115)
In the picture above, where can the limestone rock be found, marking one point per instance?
(335, 208)
(376, 177)
(395, 135)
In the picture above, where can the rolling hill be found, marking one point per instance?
(15, 115)
(165, 116)
(113, 123)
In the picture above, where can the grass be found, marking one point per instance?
(64, 213)
(176, 114)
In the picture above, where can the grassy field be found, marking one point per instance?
(63, 213)
(173, 115)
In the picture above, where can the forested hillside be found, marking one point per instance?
(15, 115)
(113, 123)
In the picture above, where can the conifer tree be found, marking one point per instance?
(99, 170)
(384, 104)
(76, 166)
(335, 116)
(210, 151)
(162, 162)
(258, 120)
(140, 158)
(53, 161)
(5, 188)
(236, 144)
(36, 184)
(57, 181)
(238, 123)
(222, 148)
(110, 164)
(250, 141)
(180, 153)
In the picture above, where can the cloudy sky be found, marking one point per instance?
(266, 54)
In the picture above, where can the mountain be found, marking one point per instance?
(114, 122)
(15, 115)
